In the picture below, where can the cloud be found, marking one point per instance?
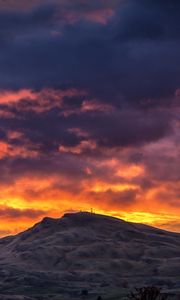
(89, 108)
(53, 120)
(120, 68)
(114, 199)
(9, 212)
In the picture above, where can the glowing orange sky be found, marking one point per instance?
(30, 197)
(89, 112)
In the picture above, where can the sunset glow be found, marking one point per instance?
(89, 112)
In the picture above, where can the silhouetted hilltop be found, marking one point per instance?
(88, 251)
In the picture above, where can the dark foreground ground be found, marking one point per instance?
(59, 258)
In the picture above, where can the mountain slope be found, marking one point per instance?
(88, 251)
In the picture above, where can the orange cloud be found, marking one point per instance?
(136, 184)
(50, 200)
(41, 101)
(29, 199)
(95, 105)
(7, 150)
(15, 96)
(83, 146)
(101, 15)
(109, 185)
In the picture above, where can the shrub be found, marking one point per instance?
(147, 293)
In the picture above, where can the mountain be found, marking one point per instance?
(85, 251)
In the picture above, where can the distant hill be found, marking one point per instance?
(81, 251)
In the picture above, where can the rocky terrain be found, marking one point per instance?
(84, 251)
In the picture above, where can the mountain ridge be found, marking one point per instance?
(88, 251)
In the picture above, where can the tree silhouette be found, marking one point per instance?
(147, 293)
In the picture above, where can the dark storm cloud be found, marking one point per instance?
(117, 199)
(66, 165)
(17, 25)
(165, 166)
(127, 128)
(46, 131)
(11, 21)
(153, 20)
(17, 213)
(130, 62)
(133, 58)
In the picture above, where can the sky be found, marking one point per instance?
(89, 110)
